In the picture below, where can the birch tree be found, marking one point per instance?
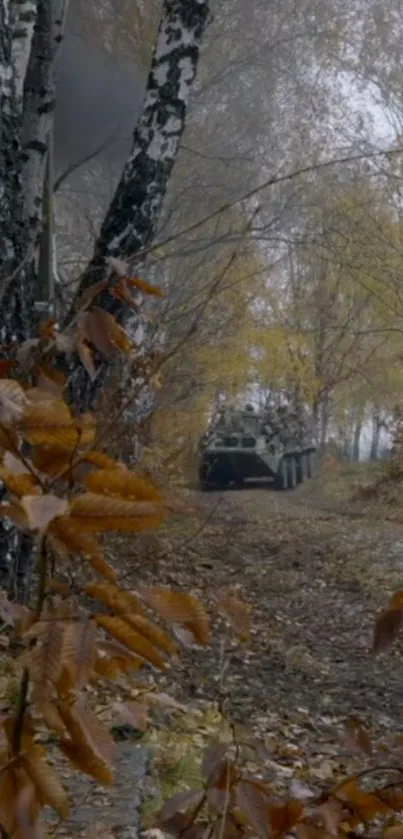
(132, 217)
(29, 35)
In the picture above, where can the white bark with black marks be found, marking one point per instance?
(22, 39)
(131, 221)
(133, 215)
(7, 127)
(27, 47)
(39, 106)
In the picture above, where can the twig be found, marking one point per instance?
(82, 161)
(22, 703)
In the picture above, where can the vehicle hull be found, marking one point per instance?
(225, 466)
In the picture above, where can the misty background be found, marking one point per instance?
(277, 88)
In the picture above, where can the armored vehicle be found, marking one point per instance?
(241, 445)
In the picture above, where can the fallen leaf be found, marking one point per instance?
(387, 628)
(357, 739)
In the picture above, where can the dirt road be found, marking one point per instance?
(315, 574)
(315, 571)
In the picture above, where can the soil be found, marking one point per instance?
(315, 576)
(315, 572)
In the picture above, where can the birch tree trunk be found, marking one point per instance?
(29, 38)
(131, 221)
(28, 41)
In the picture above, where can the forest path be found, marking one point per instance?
(315, 571)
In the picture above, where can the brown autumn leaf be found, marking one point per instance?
(12, 402)
(86, 425)
(42, 509)
(51, 717)
(181, 608)
(46, 660)
(87, 732)
(237, 611)
(179, 827)
(101, 513)
(387, 627)
(51, 380)
(357, 739)
(36, 629)
(152, 632)
(392, 797)
(88, 296)
(122, 602)
(27, 732)
(395, 831)
(41, 395)
(9, 440)
(27, 808)
(127, 606)
(66, 538)
(122, 483)
(145, 287)
(183, 802)
(111, 646)
(59, 587)
(46, 782)
(122, 292)
(101, 460)
(134, 713)
(10, 786)
(19, 485)
(104, 333)
(396, 601)
(331, 813)
(99, 564)
(111, 668)
(6, 365)
(305, 830)
(131, 639)
(365, 805)
(51, 424)
(46, 328)
(15, 513)
(64, 685)
(283, 817)
(84, 760)
(254, 805)
(79, 652)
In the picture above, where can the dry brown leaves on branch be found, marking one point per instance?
(67, 494)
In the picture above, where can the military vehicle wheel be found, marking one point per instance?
(292, 472)
(205, 482)
(302, 468)
(311, 461)
(282, 475)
